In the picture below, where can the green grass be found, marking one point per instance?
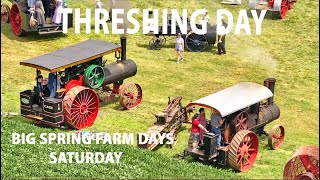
(287, 50)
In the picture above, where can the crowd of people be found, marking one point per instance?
(44, 9)
(53, 83)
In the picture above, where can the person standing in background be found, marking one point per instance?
(179, 48)
(40, 13)
(57, 17)
(39, 80)
(216, 122)
(222, 38)
(195, 132)
(206, 17)
(203, 122)
(51, 84)
(31, 4)
(46, 5)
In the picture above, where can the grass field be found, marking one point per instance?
(287, 50)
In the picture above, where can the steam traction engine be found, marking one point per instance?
(246, 107)
(85, 79)
(19, 18)
(193, 42)
(279, 7)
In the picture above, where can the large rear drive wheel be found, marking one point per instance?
(243, 150)
(16, 20)
(81, 106)
(130, 95)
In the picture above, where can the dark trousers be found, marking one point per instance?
(46, 6)
(217, 130)
(221, 46)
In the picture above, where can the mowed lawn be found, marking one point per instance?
(287, 50)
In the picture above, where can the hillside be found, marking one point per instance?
(287, 50)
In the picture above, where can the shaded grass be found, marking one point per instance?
(32, 161)
(287, 50)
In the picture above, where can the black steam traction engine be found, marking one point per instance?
(86, 80)
(19, 17)
(193, 42)
(246, 107)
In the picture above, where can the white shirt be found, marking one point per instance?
(221, 29)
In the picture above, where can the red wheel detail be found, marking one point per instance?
(284, 9)
(243, 150)
(304, 164)
(5, 13)
(276, 137)
(241, 121)
(271, 3)
(15, 20)
(71, 84)
(306, 176)
(81, 107)
(130, 95)
(81, 80)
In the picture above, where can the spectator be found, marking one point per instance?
(46, 5)
(222, 38)
(203, 122)
(51, 84)
(57, 17)
(40, 13)
(39, 80)
(206, 17)
(216, 122)
(195, 130)
(179, 48)
(31, 4)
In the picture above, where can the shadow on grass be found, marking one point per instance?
(171, 46)
(118, 107)
(29, 36)
(190, 159)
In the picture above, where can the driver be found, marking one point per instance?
(216, 122)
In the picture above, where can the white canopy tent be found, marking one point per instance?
(235, 2)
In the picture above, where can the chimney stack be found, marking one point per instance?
(123, 48)
(270, 83)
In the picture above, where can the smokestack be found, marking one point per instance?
(270, 83)
(123, 48)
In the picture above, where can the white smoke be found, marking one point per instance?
(257, 55)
